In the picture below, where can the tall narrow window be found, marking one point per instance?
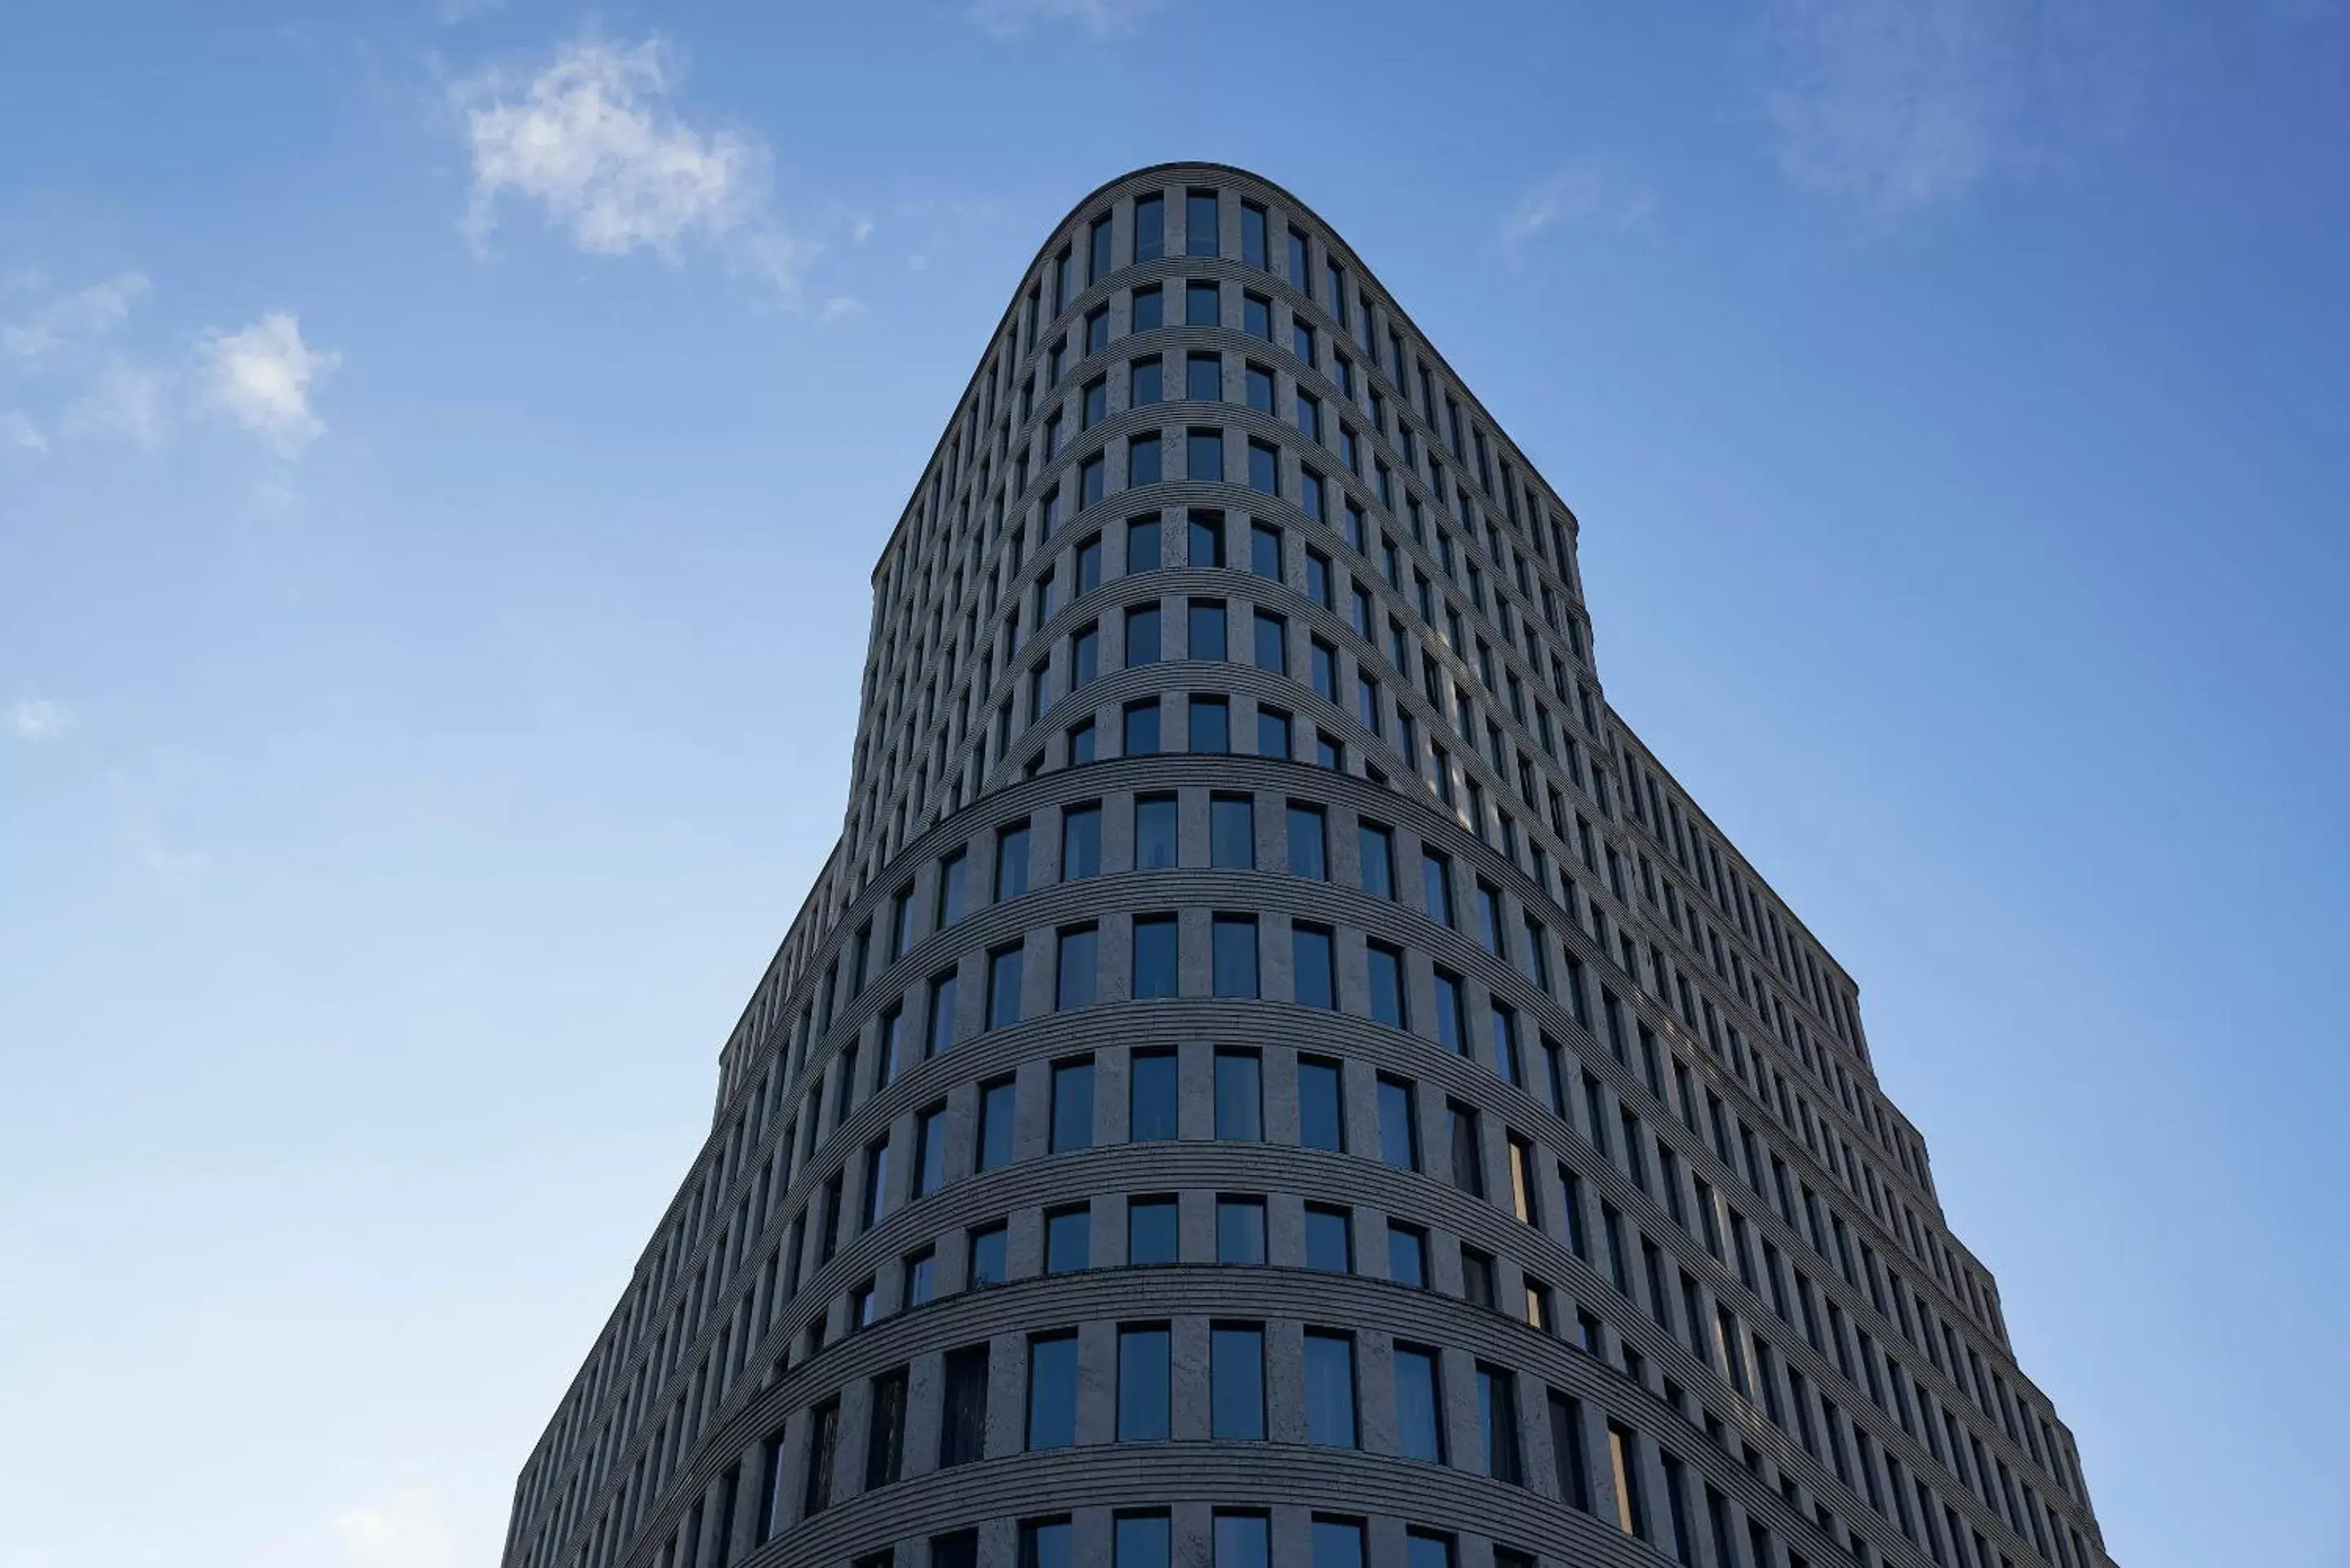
(962, 1428)
(1399, 1123)
(885, 1431)
(1330, 1389)
(1149, 228)
(1622, 1459)
(1073, 1105)
(1329, 1239)
(1419, 1426)
(1045, 1543)
(1235, 955)
(998, 1101)
(1385, 972)
(1076, 967)
(1497, 1423)
(1321, 1106)
(1080, 842)
(1240, 1230)
(1236, 1381)
(1143, 1399)
(1053, 1391)
(824, 1438)
(1068, 1239)
(941, 1014)
(1244, 1541)
(1567, 1452)
(1336, 1544)
(1200, 223)
(1311, 966)
(1239, 1096)
(1232, 832)
(1154, 833)
(1150, 1080)
(1308, 849)
(1151, 1236)
(1154, 957)
(1003, 978)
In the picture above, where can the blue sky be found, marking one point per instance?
(441, 451)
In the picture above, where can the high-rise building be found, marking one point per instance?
(1274, 1071)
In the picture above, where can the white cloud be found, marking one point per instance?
(406, 1532)
(261, 377)
(1581, 196)
(19, 433)
(1901, 105)
(124, 399)
(68, 320)
(596, 143)
(39, 719)
(1100, 18)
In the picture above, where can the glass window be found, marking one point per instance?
(1068, 1239)
(1200, 223)
(1330, 1389)
(1467, 1149)
(1097, 262)
(1154, 833)
(1376, 846)
(1239, 1096)
(1211, 727)
(1081, 742)
(1204, 377)
(1149, 228)
(1263, 467)
(1449, 1033)
(1205, 541)
(1044, 1544)
(988, 1256)
(1202, 305)
(1272, 651)
(1077, 969)
(1253, 236)
(1240, 1230)
(1318, 579)
(1154, 957)
(1256, 385)
(1271, 733)
(1256, 315)
(1420, 1429)
(929, 1151)
(1322, 669)
(1329, 1239)
(1003, 988)
(1203, 455)
(1321, 1107)
(950, 889)
(1142, 1541)
(1436, 885)
(1142, 545)
(1337, 1543)
(1231, 833)
(1242, 1541)
(1399, 1125)
(1236, 1382)
(962, 1428)
(1312, 966)
(1408, 1255)
(998, 1102)
(1423, 1550)
(1384, 971)
(1264, 550)
(1073, 1105)
(1095, 405)
(1151, 1231)
(1497, 1423)
(1144, 465)
(1143, 1399)
(1084, 655)
(885, 1431)
(1307, 856)
(1080, 842)
(1142, 635)
(1143, 727)
(1144, 384)
(1053, 1391)
(1235, 955)
(943, 1012)
(1151, 1095)
(921, 1277)
(1205, 628)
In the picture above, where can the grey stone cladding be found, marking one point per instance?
(1274, 1071)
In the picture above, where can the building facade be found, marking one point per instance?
(1274, 1072)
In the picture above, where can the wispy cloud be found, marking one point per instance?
(64, 321)
(1580, 195)
(406, 1532)
(19, 433)
(596, 141)
(122, 398)
(261, 377)
(1099, 18)
(39, 719)
(1903, 105)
